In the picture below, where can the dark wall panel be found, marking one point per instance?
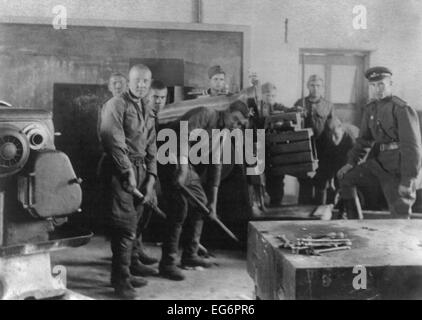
(34, 57)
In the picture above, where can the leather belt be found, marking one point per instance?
(389, 146)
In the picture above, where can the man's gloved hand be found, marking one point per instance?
(342, 172)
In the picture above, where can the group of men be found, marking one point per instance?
(127, 131)
(387, 151)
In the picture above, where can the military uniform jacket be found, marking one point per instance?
(316, 113)
(128, 132)
(206, 119)
(387, 121)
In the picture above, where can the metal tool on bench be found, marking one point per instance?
(317, 245)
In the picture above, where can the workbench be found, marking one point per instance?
(390, 251)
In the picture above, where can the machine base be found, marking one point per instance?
(31, 277)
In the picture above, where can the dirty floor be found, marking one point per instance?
(88, 270)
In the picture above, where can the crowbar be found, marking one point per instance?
(199, 203)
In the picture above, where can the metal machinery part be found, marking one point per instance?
(37, 185)
(37, 135)
(14, 150)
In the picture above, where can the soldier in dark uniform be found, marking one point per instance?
(390, 128)
(180, 213)
(316, 110)
(128, 137)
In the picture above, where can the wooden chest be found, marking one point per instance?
(389, 252)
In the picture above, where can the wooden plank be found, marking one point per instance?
(295, 169)
(298, 146)
(286, 136)
(389, 249)
(292, 158)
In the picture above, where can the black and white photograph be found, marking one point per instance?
(224, 151)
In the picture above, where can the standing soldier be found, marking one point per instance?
(181, 213)
(391, 129)
(128, 137)
(316, 110)
(217, 80)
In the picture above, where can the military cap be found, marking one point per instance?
(377, 73)
(241, 107)
(215, 70)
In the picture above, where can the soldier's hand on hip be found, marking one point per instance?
(345, 169)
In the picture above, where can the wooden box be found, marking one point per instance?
(389, 250)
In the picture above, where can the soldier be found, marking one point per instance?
(117, 84)
(128, 137)
(390, 128)
(180, 213)
(159, 93)
(316, 110)
(274, 185)
(217, 82)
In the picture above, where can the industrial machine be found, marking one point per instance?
(38, 191)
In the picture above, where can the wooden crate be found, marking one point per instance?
(390, 250)
(291, 152)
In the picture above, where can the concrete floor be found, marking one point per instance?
(88, 270)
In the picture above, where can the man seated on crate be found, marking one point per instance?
(338, 139)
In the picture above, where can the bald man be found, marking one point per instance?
(128, 136)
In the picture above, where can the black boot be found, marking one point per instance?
(195, 261)
(353, 208)
(124, 289)
(146, 259)
(139, 250)
(190, 256)
(136, 282)
(171, 272)
(168, 268)
(140, 270)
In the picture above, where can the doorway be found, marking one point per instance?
(343, 73)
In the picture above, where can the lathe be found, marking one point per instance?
(38, 191)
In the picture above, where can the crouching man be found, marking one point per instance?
(180, 212)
